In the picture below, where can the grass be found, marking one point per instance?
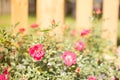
(5, 21)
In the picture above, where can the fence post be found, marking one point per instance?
(19, 13)
(83, 14)
(0, 7)
(47, 10)
(110, 20)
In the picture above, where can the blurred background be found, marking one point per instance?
(70, 9)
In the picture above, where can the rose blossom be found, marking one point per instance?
(22, 30)
(69, 58)
(79, 46)
(98, 11)
(34, 25)
(73, 32)
(3, 77)
(53, 21)
(92, 78)
(78, 70)
(85, 32)
(36, 52)
(6, 70)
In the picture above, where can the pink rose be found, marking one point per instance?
(79, 46)
(34, 25)
(22, 30)
(5, 74)
(69, 58)
(85, 32)
(98, 11)
(36, 52)
(92, 78)
(53, 21)
(3, 77)
(6, 71)
(73, 32)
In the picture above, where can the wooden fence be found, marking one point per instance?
(5, 7)
(54, 9)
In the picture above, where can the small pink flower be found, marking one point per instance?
(36, 52)
(65, 27)
(34, 25)
(79, 46)
(3, 77)
(22, 30)
(6, 70)
(5, 74)
(78, 70)
(98, 11)
(53, 21)
(92, 78)
(85, 32)
(69, 58)
(73, 32)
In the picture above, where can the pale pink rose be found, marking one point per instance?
(34, 25)
(37, 52)
(53, 21)
(69, 58)
(78, 70)
(79, 46)
(85, 32)
(73, 32)
(92, 78)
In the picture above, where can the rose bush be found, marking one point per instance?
(42, 57)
